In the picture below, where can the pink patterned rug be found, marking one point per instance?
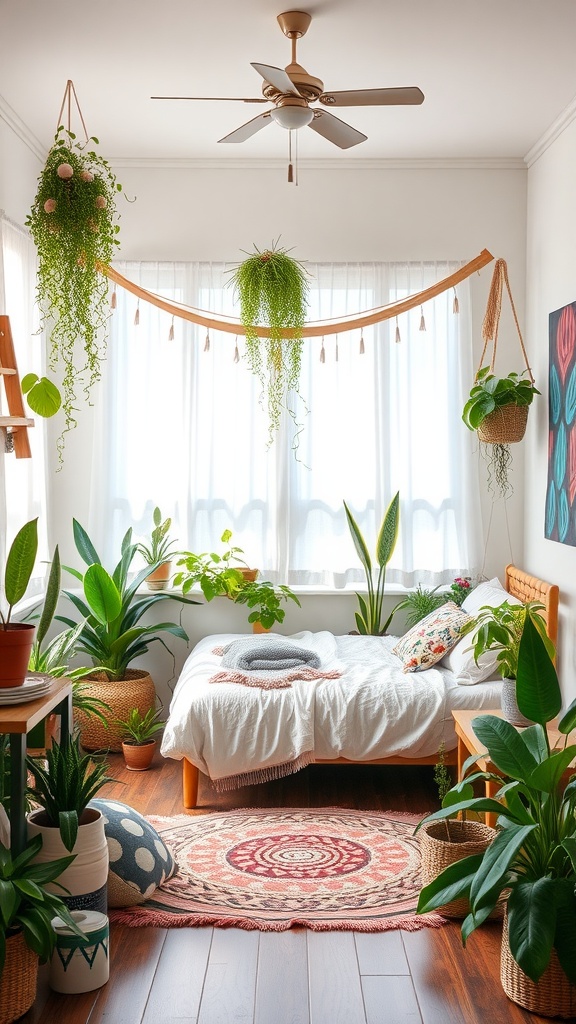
(324, 869)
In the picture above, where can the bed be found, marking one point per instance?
(362, 708)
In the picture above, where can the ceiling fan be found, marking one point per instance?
(292, 90)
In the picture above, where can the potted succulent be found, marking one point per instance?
(74, 225)
(227, 575)
(272, 288)
(28, 907)
(533, 856)
(65, 780)
(138, 743)
(17, 638)
(500, 629)
(113, 637)
(369, 618)
(497, 409)
(158, 552)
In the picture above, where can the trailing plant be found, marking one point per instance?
(272, 288)
(73, 223)
(159, 548)
(27, 902)
(65, 780)
(224, 575)
(19, 566)
(139, 729)
(501, 628)
(111, 610)
(533, 856)
(369, 618)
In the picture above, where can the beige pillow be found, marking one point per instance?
(431, 638)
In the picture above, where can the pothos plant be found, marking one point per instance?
(272, 288)
(73, 223)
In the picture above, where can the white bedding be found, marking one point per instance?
(373, 710)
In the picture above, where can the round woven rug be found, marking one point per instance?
(326, 869)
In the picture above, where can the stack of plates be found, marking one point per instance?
(32, 688)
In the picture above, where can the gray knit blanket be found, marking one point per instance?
(270, 662)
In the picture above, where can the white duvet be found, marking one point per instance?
(373, 710)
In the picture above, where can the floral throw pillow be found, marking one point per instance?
(431, 638)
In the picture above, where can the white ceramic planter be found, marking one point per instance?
(76, 966)
(87, 877)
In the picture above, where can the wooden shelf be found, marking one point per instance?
(7, 371)
(16, 421)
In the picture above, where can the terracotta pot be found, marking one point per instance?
(19, 979)
(551, 996)
(441, 846)
(136, 690)
(15, 647)
(250, 575)
(138, 756)
(87, 876)
(160, 577)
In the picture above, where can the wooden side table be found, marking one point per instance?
(16, 721)
(468, 743)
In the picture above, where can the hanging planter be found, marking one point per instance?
(497, 407)
(73, 223)
(272, 289)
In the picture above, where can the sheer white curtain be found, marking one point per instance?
(183, 428)
(23, 482)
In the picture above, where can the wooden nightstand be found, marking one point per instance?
(468, 743)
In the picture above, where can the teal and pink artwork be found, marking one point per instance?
(560, 521)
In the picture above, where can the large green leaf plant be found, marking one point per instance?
(369, 618)
(533, 856)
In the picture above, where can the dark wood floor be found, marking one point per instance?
(231, 976)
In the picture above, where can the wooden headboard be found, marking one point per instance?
(529, 588)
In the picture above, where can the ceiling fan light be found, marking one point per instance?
(292, 117)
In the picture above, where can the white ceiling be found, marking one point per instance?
(496, 74)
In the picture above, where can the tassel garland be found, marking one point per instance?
(455, 304)
(236, 352)
(398, 338)
(171, 331)
(207, 343)
(113, 300)
(422, 320)
(361, 344)
(322, 353)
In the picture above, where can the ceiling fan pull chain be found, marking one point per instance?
(137, 315)
(398, 338)
(361, 343)
(236, 352)
(171, 331)
(422, 320)
(207, 342)
(455, 304)
(322, 353)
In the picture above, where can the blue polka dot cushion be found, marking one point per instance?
(139, 860)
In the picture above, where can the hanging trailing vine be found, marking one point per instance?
(272, 289)
(73, 223)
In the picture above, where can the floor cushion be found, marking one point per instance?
(139, 859)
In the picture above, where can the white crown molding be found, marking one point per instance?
(17, 125)
(343, 164)
(551, 134)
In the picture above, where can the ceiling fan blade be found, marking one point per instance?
(250, 128)
(372, 97)
(227, 99)
(335, 130)
(278, 78)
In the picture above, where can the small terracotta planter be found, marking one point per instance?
(159, 579)
(139, 756)
(15, 647)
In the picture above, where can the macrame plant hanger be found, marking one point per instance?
(69, 94)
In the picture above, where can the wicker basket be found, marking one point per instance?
(136, 690)
(551, 996)
(505, 425)
(437, 852)
(19, 979)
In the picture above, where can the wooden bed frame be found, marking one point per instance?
(519, 584)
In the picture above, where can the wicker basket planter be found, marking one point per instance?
(438, 852)
(136, 690)
(551, 996)
(506, 425)
(19, 979)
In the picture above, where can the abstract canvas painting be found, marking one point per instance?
(560, 519)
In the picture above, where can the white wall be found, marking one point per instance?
(551, 284)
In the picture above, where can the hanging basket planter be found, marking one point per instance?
(505, 425)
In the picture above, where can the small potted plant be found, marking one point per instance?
(500, 629)
(17, 638)
(26, 933)
(532, 858)
(138, 743)
(227, 575)
(369, 618)
(65, 781)
(158, 552)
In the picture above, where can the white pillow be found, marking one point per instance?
(460, 660)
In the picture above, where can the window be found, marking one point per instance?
(184, 429)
